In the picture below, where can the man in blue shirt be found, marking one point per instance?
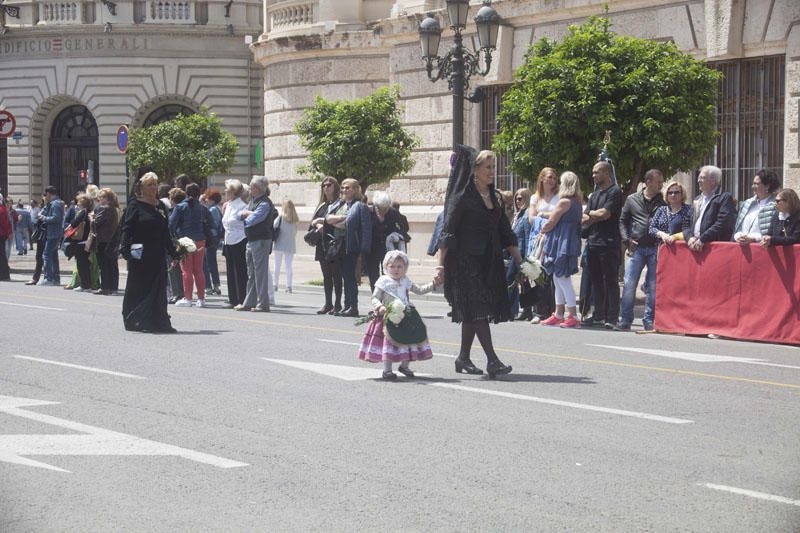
(52, 216)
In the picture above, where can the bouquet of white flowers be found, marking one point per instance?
(532, 269)
(184, 246)
(395, 312)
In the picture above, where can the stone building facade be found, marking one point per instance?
(72, 72)
(348, 48)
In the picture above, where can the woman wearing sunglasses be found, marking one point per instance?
(784, 228)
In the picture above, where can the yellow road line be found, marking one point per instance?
(447, 343)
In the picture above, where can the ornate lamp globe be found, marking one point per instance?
(457, 12)
(488, 22)
(430, 34)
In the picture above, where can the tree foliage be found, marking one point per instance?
(195, 145)
(657, 101)
(362, 139)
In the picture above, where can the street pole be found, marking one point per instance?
(458, 90)
(459, 64)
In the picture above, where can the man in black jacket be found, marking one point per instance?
(714, 214)
(641, 248)
(601, 230)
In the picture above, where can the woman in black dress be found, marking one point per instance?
(331, 267)
(476, 231)
(145, 244)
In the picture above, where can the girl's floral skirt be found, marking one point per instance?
(376, 346)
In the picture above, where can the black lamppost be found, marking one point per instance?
(459, 63)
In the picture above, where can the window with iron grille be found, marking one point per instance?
(750, 110)
(490, 107)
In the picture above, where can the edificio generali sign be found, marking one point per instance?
(59, 45)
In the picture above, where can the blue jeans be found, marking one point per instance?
(51, 272)
(349, 263)
(211, 268)
(644, 256)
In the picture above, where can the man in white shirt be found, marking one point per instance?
(713, 210)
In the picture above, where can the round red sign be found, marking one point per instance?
(7, 124)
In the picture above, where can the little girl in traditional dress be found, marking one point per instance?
(388, 342)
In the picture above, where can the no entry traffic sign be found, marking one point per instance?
(7, 124)
(122, 139)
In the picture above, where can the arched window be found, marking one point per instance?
(165, 113)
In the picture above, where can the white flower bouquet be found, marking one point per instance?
(395, 312)
(184, 246)
(532, 269)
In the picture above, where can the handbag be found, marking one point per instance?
(335, 250)
(74, 233)
(313, 237)
(276, 229)
(39, 232)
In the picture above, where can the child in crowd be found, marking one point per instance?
(400, 338)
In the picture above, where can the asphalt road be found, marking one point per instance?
(268, 422)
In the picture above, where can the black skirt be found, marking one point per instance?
(475, 288)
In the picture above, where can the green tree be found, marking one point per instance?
(362, 139)
(195, 145)
(657, 101)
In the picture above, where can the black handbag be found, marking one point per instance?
(335, 250)
(313, 237)
(39, 232)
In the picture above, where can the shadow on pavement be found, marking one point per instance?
(543, 378)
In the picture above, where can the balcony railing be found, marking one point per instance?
(60, 12)
(291, 15)
(170, 12)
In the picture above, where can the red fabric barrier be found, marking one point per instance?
(743, 292)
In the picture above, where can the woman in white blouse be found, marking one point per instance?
(235, 242)
(543, 202)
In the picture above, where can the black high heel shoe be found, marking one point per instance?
(467, 367)
(496, 368)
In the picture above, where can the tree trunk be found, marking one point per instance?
(638, 172)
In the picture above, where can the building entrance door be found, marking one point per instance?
(73, 148)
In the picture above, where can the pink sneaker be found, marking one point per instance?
(552, 321)
(571, 322)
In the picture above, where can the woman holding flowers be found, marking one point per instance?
(396, 333)
(190, 219)
(562, 248)
(145, 243)
(476, 231)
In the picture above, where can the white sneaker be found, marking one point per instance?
(183, 303)
(200, 303)
(78, 289)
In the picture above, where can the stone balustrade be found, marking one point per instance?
(292, 14)
(60, 12)
(170, 12)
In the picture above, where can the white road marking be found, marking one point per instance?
(697, 357)
(346, 373)
(350, 373)
(94, 441)
(573, 405)
(346, 343)
(79, 367)
(33, 306)
(752, 494)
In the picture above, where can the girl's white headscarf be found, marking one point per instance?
(392, 255)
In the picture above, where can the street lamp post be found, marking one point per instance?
(459, 64)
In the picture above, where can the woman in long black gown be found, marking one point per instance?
(476, 231)
(145, 223)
